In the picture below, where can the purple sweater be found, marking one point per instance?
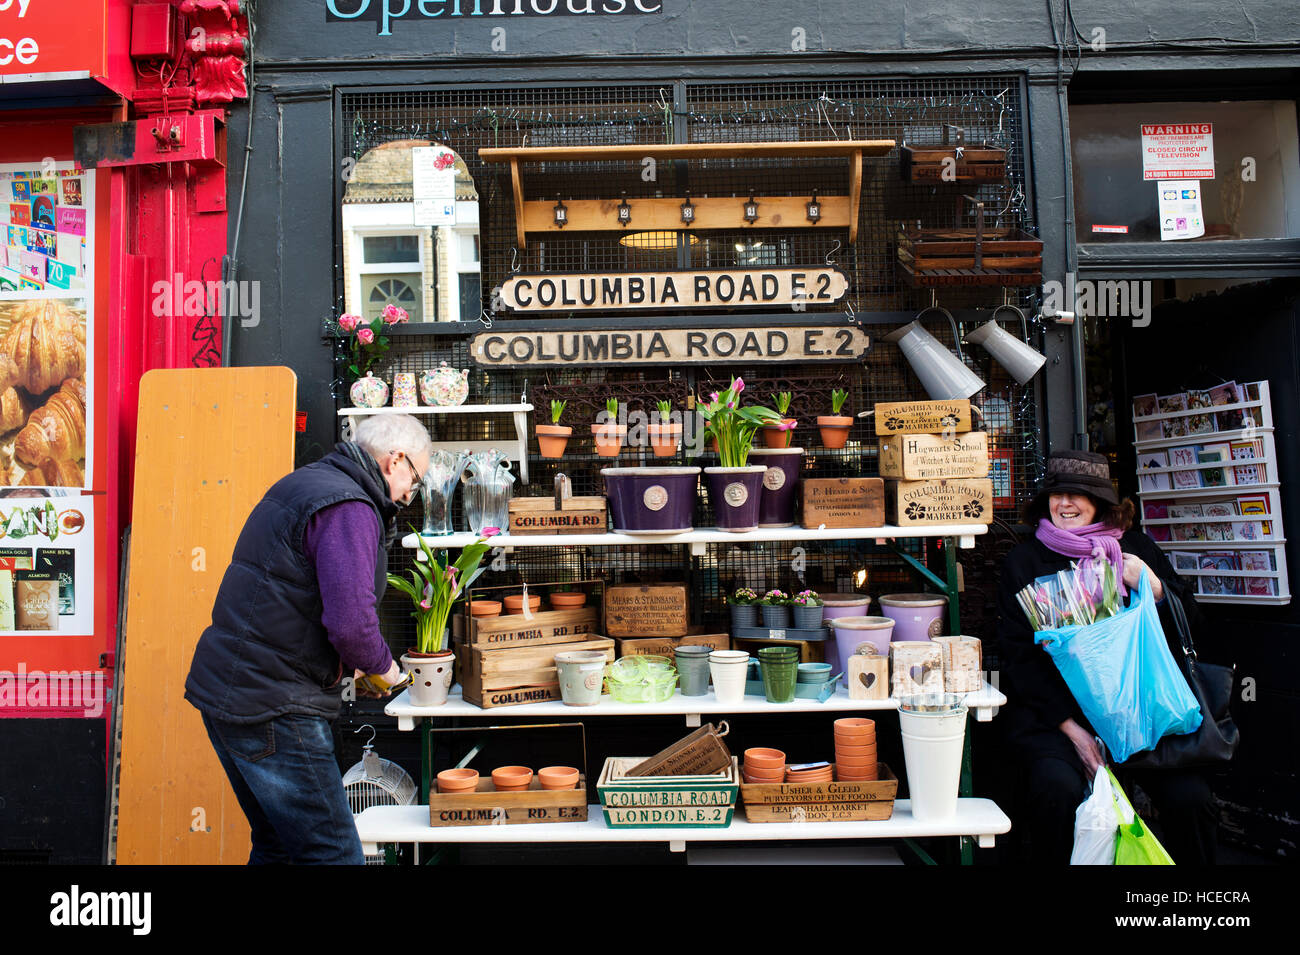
(341, 542)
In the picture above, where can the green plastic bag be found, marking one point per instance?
(1135, 844)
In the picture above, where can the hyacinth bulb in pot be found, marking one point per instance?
(775, 608)
(553, 438)
(835, 426)
(781, 435)
(434, 586)
(608, 433)
(744, 608)
(664, 432)
(735, 485)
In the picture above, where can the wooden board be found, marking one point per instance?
(843, 148)
(211, 441)
(675, 817)
(950, 501)
(943, 164)
(563, 292)
(646, 610)
(538, 515)
(616, 789)
(775, 794)
(487, 807)
(703, 751)
(513, 676)
(662, 215)
(843, 502)
(922, 417)
(810, 651)
(551, 626)
(664, 646)
(820, 812)
(921, 457)
(867, 677)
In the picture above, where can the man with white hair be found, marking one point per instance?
(294, 613)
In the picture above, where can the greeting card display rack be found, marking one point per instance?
(1259, 563)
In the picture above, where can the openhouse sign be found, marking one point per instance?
(385, 13)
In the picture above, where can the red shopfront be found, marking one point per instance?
(112, 191)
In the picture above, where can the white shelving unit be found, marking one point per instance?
(1260, 410)
(517, 448)
(699, 538)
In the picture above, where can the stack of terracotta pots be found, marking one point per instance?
(764, 766)
(855, 750)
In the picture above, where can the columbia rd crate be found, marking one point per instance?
(921, 457)
(698, 801)
(821, 802)
(951, 501)
(922, 417)
(519, 674)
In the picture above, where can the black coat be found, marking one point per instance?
(1038, 700)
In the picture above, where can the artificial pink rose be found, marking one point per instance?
(402, 316)
(365, 335)
(349, 322)
(395, 314)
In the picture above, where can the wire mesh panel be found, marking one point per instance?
(908, 110)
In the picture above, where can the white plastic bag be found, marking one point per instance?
(1095, 825)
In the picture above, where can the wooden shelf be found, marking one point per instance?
(840, 148)
(435, 409)
(698, 539)
(980, 818)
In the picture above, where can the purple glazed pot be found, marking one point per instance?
(780, 484)
(735, 494)
(651, 500)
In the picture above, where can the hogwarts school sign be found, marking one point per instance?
(670, 346)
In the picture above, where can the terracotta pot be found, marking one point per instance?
(458, 780)
(511, 779)
(758, 776)
(558, 777)
(570, 600)
(854, 726)
(663, 438)
(515, 603)
(854, 751)
(834, 429)
(431, 676)
(764, 759)
(774, 437)
(484, 608)
(855, 762)
(552, 439)
(609, 439)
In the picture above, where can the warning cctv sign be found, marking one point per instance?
(1177, 151)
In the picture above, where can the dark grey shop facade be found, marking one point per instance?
(336, 79)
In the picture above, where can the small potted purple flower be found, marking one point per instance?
(776, 609)
(807, 610)
(744, 608)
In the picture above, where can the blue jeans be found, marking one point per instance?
(288, 784)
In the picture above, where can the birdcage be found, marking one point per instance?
(377, 782)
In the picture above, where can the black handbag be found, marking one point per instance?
(1215, 740)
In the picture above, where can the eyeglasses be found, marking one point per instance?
(416, 477)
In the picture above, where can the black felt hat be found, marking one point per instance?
(1078, 472)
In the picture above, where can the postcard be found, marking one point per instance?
(1247, 530)
(1183, 560)
(1176, 402)
(1150, 430)
(1184, 455)
(1145, 406)
(1185, 510)
(1197, 399)
(1224, 394)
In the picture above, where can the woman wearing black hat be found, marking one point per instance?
(1077, 514)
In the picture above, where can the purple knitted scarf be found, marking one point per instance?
(1091, 540)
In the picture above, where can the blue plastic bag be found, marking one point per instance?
(1124, 678)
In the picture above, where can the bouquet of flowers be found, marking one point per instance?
(366, 341)
(1084, 594)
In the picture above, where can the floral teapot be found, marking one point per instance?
(488, 489)
(444, 387)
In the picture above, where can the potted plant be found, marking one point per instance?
(609, 434)
(433, 587)
(780, 435)
(734, 485)
(744, 608)
(835, 426)
(775, 608)
(366, 344)
(806, 608)
(554, 437)
(664, 433)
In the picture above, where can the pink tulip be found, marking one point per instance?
(738, 385)
(349, 322)
(491, 531)
(714, 397)
(365, 336)
(731, 404)
(425, 605)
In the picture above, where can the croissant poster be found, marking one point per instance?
(46, 326)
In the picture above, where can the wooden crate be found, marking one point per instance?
(539, 515)
(943, 163)
(922, 417)
(981, 257)
(921, 457)
(821, 802)
(949, 501)
(664, 646)
(702, 751)
(843, 502)
(487, 807)
(646, 610)
(810, 651)
(706, 800)
(551, 626)
(515, 675)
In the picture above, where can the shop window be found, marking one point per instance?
(383, 249)
(1253, 194)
